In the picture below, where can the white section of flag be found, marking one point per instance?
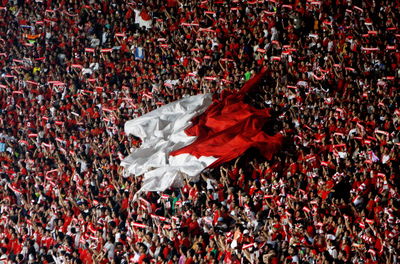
(161, 132)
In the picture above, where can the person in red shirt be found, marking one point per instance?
(143, 255)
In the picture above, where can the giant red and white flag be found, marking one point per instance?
(183, 138)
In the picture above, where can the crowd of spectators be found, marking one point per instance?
(73, 72)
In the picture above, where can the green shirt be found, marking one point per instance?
(173, 202)
(247, 76)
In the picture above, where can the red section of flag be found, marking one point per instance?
(229, 127)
